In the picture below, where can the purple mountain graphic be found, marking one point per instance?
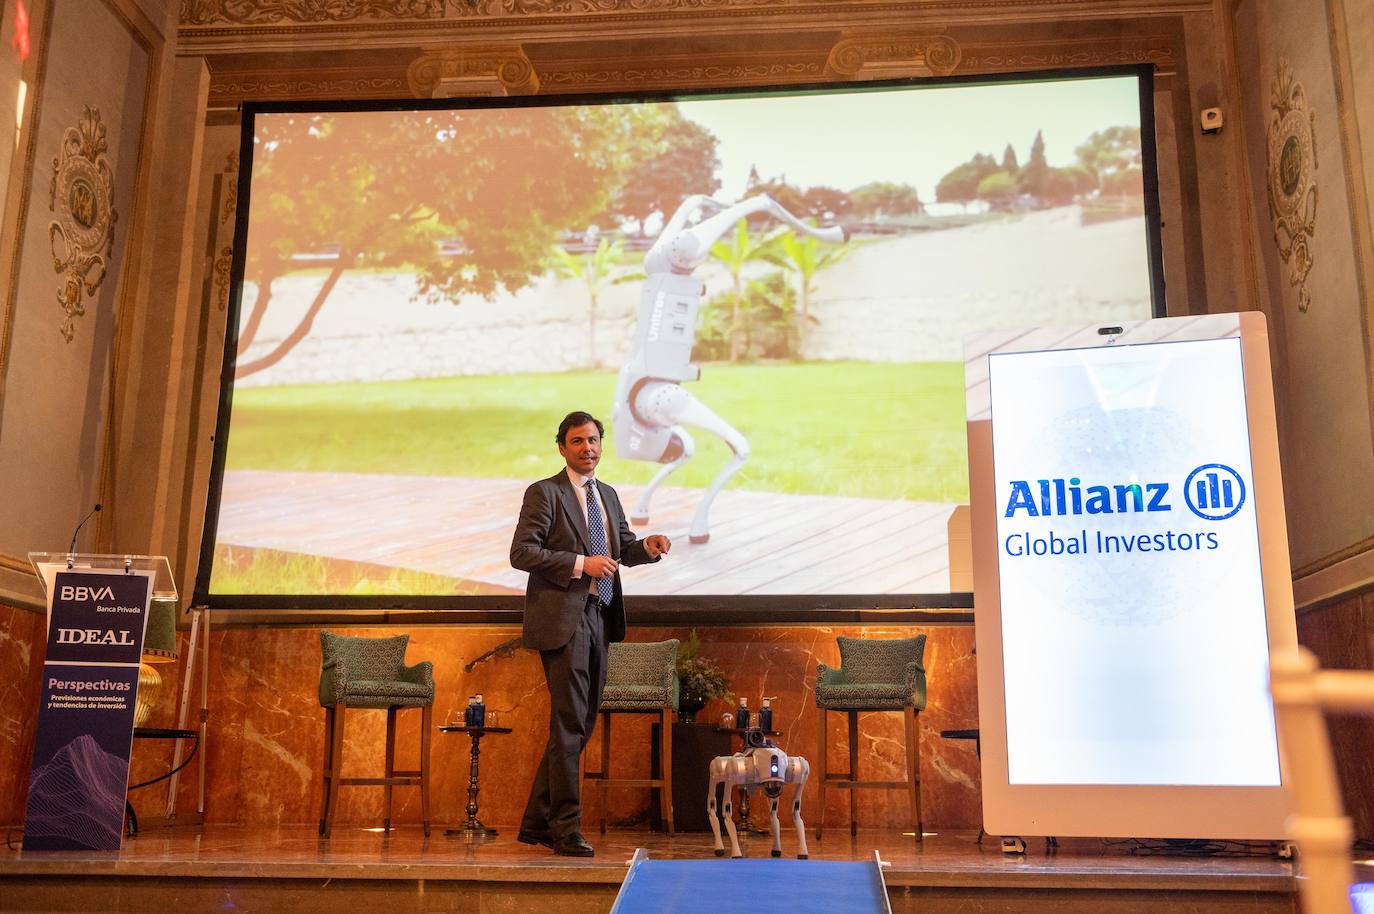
(78, 796)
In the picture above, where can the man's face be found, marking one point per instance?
(582, 448)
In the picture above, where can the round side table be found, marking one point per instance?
(473, 828)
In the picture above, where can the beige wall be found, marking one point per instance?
(61, 401)
(1323, 362)
(1328, 458)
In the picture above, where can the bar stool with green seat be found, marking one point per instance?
(641, 678)
(874, 675)
(372, 673)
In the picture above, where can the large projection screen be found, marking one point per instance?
(421, 291)
(1130, 572)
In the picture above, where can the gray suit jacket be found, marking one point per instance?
(550, 535)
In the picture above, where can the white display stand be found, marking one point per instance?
(1131, 576)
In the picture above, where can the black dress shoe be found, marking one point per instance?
(573, 845)
(533, 836)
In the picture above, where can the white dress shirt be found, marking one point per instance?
(578, 483)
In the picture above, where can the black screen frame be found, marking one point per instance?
(953, 607)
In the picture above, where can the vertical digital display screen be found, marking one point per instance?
(1132, 606)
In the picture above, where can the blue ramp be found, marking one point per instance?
(746, 886)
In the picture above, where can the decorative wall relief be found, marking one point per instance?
(82, 235)
(893, 55)
(229, 177)
(257, 12)
(496, 70)
(1292, 159)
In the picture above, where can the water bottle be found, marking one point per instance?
(479, 711)
(742, 714)
(766, 715)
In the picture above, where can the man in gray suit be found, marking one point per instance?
(572, 538)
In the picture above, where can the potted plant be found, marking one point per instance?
(700, 679)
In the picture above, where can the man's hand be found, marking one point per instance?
(599, 566)
(657, 545)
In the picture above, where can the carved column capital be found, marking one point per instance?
(471, 72)
(863, 56)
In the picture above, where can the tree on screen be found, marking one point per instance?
(1114, 156)
(998, 190)
(884, 200)
(673, 159)
(825, 203)
(789, 196)
(805, 255)
(597, 271)
(735, 252)
(469, 200)
(960, 184)
(767, 306)
(1009, 163)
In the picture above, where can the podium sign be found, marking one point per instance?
(80, 774)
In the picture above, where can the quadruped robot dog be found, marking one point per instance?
(651, 406)
(759, 764)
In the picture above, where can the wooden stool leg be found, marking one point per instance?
(605, 763)
(665, 791)
(913, 767)
(326, 770)
(822, 754)
(390, 765)
(426, 729)
(335, 765)
(853, 773)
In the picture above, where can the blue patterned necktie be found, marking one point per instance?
(596, 536)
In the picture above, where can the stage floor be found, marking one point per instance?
(244, 868)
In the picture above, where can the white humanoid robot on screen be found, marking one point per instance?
(651, 406)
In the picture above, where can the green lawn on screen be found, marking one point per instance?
(239, 570)
(837, 428)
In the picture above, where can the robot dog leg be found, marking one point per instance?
(723, 772)
(798, 772)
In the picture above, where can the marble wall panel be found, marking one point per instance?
(1342, 637)
(21, 662)
(266, 726)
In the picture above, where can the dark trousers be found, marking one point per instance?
(576, 675)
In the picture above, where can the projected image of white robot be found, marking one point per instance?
(651, 406)
(759, 764)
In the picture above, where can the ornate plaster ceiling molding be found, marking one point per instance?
(1292, 186)
(674, 72)
(270, 12)
(892, 55)
(473, 72)
(1006, 56)
(214, 25)
(232, 87)
(82, 236)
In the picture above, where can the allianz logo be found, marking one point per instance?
(1213, 491)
